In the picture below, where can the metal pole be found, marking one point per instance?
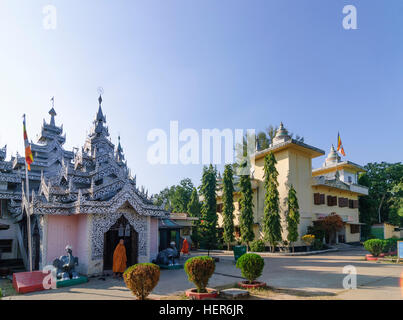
(28, 218)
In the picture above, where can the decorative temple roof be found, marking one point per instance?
(95, 179)
(281, 135)
(283, 140)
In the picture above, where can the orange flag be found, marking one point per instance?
(340, 145)
(28, 153)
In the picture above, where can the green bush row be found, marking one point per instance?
(378, 246)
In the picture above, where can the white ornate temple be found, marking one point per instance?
(86, 199)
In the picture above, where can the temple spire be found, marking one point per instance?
(119, 152)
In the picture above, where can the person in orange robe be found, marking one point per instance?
(185, 247)
(119, 259)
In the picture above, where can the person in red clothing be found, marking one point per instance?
(185, 247)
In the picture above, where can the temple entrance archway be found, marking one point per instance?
(120, 230)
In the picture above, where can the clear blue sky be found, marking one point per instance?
(208, 64)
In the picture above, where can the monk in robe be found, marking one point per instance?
(185, 247)
(119, 259)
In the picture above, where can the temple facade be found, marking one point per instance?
(85, 198)
(330, 189)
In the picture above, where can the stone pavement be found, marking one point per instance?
(318, 276)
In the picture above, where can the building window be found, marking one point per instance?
(354, 228)
(349, 179)
(220, 207)
(331, 201)
(343, 202)
(6, 245)
(319, 198)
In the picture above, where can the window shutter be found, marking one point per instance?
(316, 199)
(334, 201)
(329, 201)
(343, 202)
(322, 199)
(355, 204)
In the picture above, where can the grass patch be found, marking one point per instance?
(7, 289)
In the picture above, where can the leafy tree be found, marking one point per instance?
(271, 218)
(181, 195)
(228, 205)
(383, 180)
(175, 198)
(292, 216)
(208, 226)
(246, 210)
(396, 205)
(193, 210)
(331, 224)
(164, 197)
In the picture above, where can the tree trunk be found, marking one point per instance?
(380, 206)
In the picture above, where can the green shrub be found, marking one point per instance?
(251, 265)
(142, 278)
(257, 246)
(374, 246)
(317, 231)
(199, 271)
(317, 244)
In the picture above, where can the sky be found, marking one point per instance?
(207, 64)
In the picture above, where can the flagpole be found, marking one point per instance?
(28, 218)
(28, 208)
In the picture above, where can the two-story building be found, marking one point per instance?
(330, 189)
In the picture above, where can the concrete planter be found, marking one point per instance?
(253, 285)
(370, 257)
(193, 294)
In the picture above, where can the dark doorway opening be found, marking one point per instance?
(120, 230)
(36, 246)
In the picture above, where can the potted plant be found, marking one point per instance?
(251, 265)
(199, 271)
(308, 240)
(142, 278)
(375, 247)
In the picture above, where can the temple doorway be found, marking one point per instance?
(36, 247)
(120, 230)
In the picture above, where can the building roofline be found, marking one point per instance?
(341, 164)
(313, 151)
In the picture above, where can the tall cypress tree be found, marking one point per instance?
(292, 216)
(208, 226)
(193, 210)
(271, 219)
(246, 208)
(228, 205)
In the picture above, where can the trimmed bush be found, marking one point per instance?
(317, 244)
(308, 239)
(251, 265)
(257, 246)
(374, 246)
(199, 270)
(142, 278)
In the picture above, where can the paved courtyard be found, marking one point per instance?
(315, 276)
